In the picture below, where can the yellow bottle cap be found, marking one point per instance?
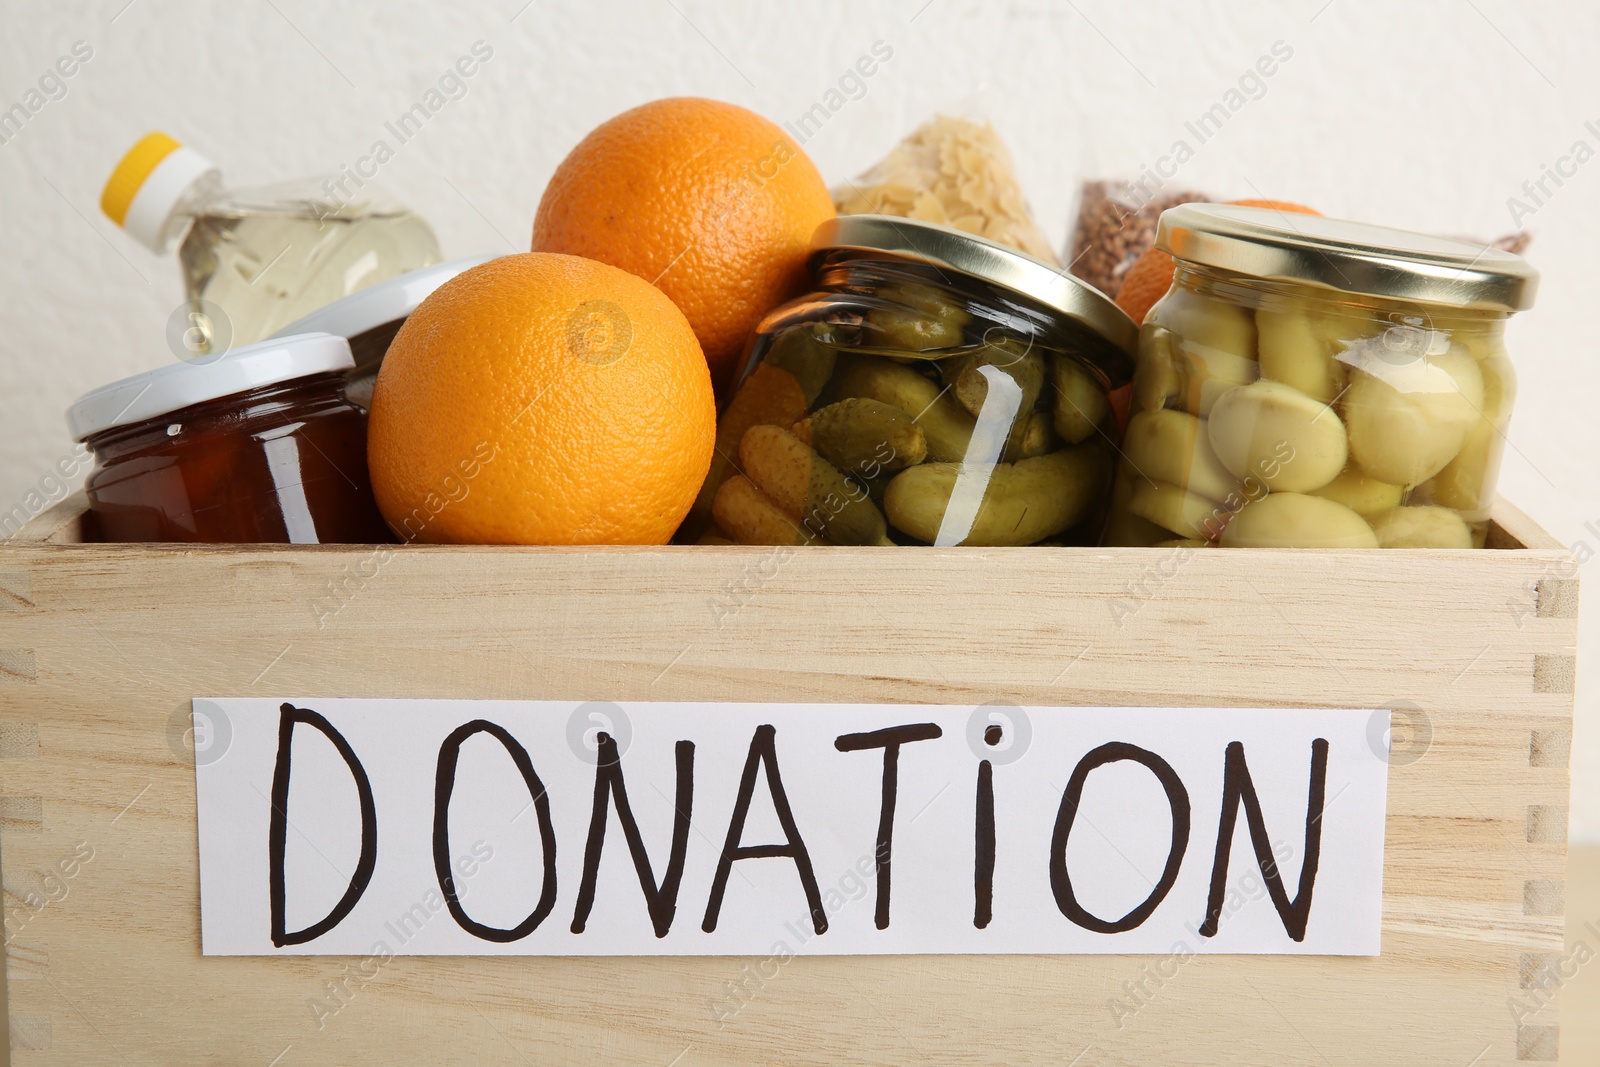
(130, 174)
(149, 183)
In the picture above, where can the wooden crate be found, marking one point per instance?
(101, 648)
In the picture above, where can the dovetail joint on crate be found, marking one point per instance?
(1536, 970)
(1544, 896)
(1556, 598)
(16, 591)
(19, 740)
(30, 1031)
(1549, 748)
(1547, 824)
(25, 814)
(1538, 1044)
(25, 961)
(17, 665)
(1554, 674)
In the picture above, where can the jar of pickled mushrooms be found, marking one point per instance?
(1309, 382)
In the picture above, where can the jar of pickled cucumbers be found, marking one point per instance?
(935, 388)
(1314, 383)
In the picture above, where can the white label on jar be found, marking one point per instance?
(457, 827)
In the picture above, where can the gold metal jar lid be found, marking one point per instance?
(990, 261)
(1350, 257)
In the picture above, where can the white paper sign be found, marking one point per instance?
(460, 827)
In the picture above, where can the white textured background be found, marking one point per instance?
(1426, 115)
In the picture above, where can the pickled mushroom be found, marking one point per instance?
(1277, 434)
(1172, 446)
(1294, 352)
(1361, 494)
(1407, 420)
(1422, 527)
(1294, 520)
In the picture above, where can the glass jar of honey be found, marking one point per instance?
(1314, 383)
(935, 388)
(258, 444)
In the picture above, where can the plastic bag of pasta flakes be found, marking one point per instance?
(955, 172)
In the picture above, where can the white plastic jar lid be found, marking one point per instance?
(380, 303)
(167, 389)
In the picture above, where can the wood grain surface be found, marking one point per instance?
(1580, 985)
(102, 646)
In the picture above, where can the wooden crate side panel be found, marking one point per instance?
(109, 971)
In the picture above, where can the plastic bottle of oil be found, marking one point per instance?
(254, 261)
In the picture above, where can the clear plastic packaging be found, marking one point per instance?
(255, 260)
(1116, 224)
(954, 172)
(270, 256)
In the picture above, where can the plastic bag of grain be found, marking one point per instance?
(1116, 223)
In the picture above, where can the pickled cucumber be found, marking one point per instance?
(770, 395)
(1172, 446)
(946, 426)
(1295, 520)
(1408, 420)
(1080, 403)
(1276, 433)
(928, 299)
(1363, 495)
(876, 485)
(865, 434)
(1018, 504)
(752, 518)
(933, 321)
(1023, 365)
(969, 378)
(1038, 436)
(1292, 351)
(798, 351)
(1422, 527)
(809, 489)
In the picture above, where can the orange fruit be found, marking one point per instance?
(708, 201)
(1146, 282)
(541, 399)
(1151, 274)
(1278, 205)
